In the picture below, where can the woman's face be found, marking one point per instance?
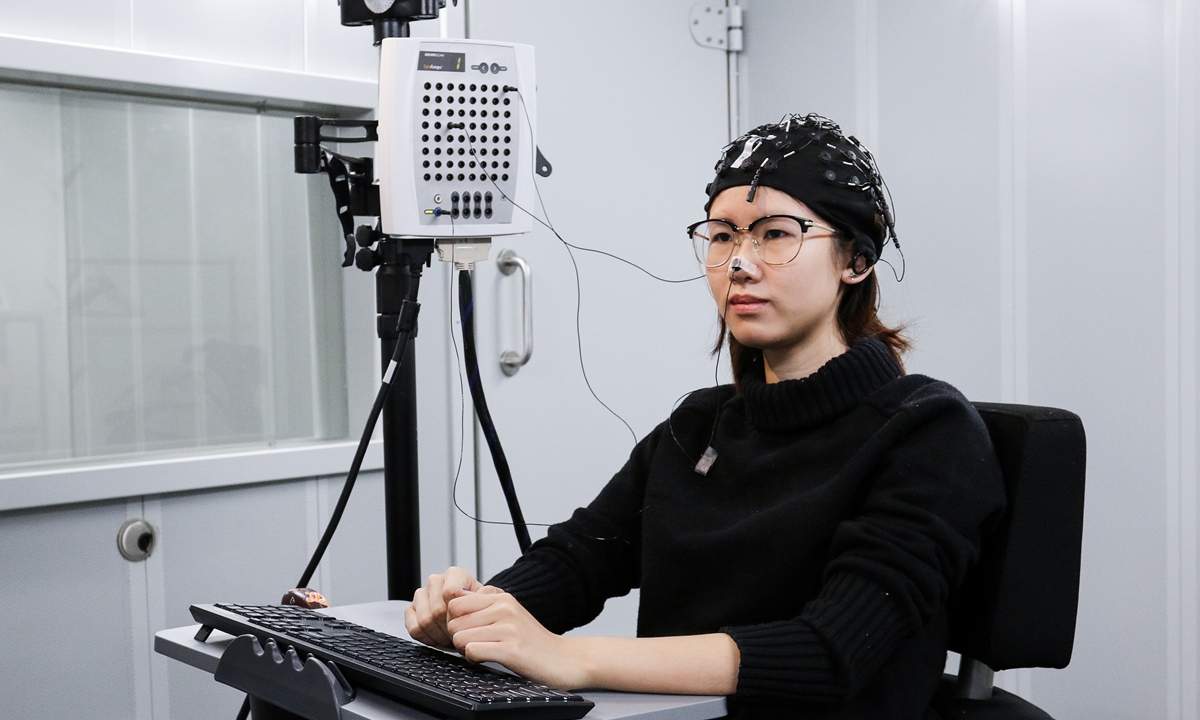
(779, 309)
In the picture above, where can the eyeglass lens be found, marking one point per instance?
(776, 240)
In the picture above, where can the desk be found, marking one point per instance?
(388, 616)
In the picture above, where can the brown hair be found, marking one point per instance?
(857, 319)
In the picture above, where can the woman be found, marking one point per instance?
(796, 537)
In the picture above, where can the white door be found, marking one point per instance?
(632, 114)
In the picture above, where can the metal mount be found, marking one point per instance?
(716, 26)
(464, 252)
(390, 17)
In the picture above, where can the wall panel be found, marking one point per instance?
(800, 58)
(269, 33)
(938, 150)
(301, 35)
(1096, 334)
(67, 648)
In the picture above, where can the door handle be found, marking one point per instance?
(510, 360)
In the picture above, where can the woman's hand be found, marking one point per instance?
(426, 617)
(454, 611)
(489, 625)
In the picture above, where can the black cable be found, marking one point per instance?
(716, 384)
(467, 311)
(579, 345)
(550, 225)
(407, 322)
(462, 430)
(462, 442)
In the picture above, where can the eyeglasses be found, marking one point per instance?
(776, 239)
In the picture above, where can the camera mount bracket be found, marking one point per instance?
(390, 18)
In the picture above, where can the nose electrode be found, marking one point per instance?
(737, 264)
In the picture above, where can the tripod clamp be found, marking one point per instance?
(352, 179)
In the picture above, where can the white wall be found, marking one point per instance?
(1043, 161)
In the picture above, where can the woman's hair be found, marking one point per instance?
(857, 319)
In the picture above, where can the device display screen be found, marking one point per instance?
(442, 61)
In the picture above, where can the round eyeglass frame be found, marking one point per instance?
(805, 226)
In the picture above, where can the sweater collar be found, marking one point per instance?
(824, 396)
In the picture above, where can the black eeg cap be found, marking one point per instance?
(810, 159)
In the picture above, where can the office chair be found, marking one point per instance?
(1017, 606)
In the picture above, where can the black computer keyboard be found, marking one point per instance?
(435, 681)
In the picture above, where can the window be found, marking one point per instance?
(166, 281)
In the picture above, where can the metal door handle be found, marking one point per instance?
(510, 360)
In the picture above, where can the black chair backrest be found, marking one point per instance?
(1017, 606)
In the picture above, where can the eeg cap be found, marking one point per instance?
(810, 159)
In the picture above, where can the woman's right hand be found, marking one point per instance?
(426, 618)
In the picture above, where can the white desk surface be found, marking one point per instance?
(388, 617)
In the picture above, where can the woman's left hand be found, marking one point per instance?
(491, 626)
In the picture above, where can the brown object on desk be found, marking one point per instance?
(305, 598)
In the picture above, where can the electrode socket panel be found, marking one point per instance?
(455, 141)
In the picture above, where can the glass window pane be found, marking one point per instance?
(158, 290)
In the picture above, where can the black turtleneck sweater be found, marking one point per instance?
(840, 515)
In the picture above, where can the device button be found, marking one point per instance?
(495, 67)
